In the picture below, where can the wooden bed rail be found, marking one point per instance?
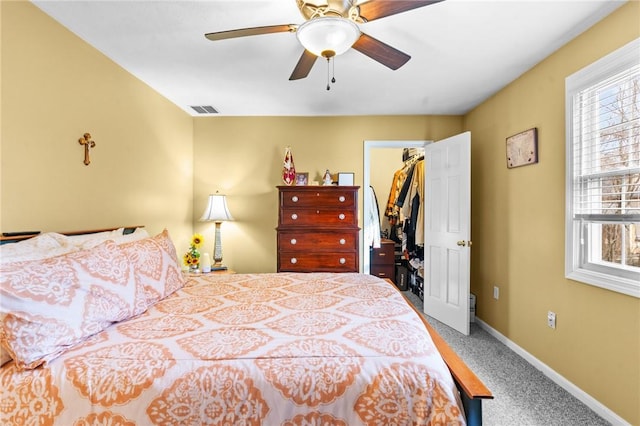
(472, 389)
(14, 237)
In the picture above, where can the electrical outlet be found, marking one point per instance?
(551, 319)
(496, 292)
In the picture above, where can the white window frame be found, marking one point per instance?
(619, 279)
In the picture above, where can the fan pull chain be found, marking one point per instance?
(331, 64)
(328, 62)
(333, 70)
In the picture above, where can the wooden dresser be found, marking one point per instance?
(318, 229)
(382, 260)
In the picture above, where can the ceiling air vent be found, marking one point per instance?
(204, 109)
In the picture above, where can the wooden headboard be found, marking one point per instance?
(14, 237)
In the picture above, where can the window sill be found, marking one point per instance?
(626, 286)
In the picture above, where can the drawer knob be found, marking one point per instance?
(341, 216)
(382, 254)
(294, 216)
(294, 198)
(341, 198)
(294, 241)
(294, 260)
(343, 241)
(343, 260)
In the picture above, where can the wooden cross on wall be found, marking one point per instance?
(88, 144)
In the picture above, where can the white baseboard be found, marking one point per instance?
(584, 397)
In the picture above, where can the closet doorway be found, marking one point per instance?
(381, 160)
(447, 223)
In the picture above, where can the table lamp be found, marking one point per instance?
(217, 211)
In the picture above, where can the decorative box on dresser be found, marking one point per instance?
(318, 229)
(383, 261)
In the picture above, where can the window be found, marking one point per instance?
(603, 172)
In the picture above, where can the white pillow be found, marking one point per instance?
(88, 241)
(39, 247)
(51, 244)
(137, 234)
(91, 240)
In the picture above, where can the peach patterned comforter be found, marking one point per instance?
(271, 349)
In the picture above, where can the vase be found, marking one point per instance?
(289, 169)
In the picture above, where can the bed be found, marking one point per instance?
(169, 348)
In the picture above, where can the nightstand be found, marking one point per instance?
(383, 262)
(221, 272)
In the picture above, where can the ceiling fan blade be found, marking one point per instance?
(244, 32)
(381, 52)
(304, 65)
(376, 9)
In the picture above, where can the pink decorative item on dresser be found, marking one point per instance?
(289, 169)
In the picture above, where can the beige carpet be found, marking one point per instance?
(523, 396)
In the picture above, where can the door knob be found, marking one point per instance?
(462, 243)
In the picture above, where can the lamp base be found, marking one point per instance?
(218, 268)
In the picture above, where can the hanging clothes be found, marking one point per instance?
(396, 192)
(391, 211)
(372, 220)
(415, 210)
(405, 207)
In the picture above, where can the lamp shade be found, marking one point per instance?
(328, 36)
(217, 210)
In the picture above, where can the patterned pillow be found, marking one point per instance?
(157, 269)
(50, 305)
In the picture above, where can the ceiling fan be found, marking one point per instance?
(331, 28)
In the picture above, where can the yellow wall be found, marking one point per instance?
(154, 165)
(518, 232)
(55, 88)
(242, 157)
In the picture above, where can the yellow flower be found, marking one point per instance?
(197, 240)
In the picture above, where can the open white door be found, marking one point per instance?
(447, 217)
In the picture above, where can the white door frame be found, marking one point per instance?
(366, 181)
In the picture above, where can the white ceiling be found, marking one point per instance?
(462, 52)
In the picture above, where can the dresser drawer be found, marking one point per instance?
(385, 271)
(384, 255)
(320, 216)
(317, 262)
(314, 197)
(317, 240)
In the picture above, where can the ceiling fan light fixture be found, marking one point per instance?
(328, 36)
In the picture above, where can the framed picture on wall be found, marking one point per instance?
(522, 148)
(302, 179)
